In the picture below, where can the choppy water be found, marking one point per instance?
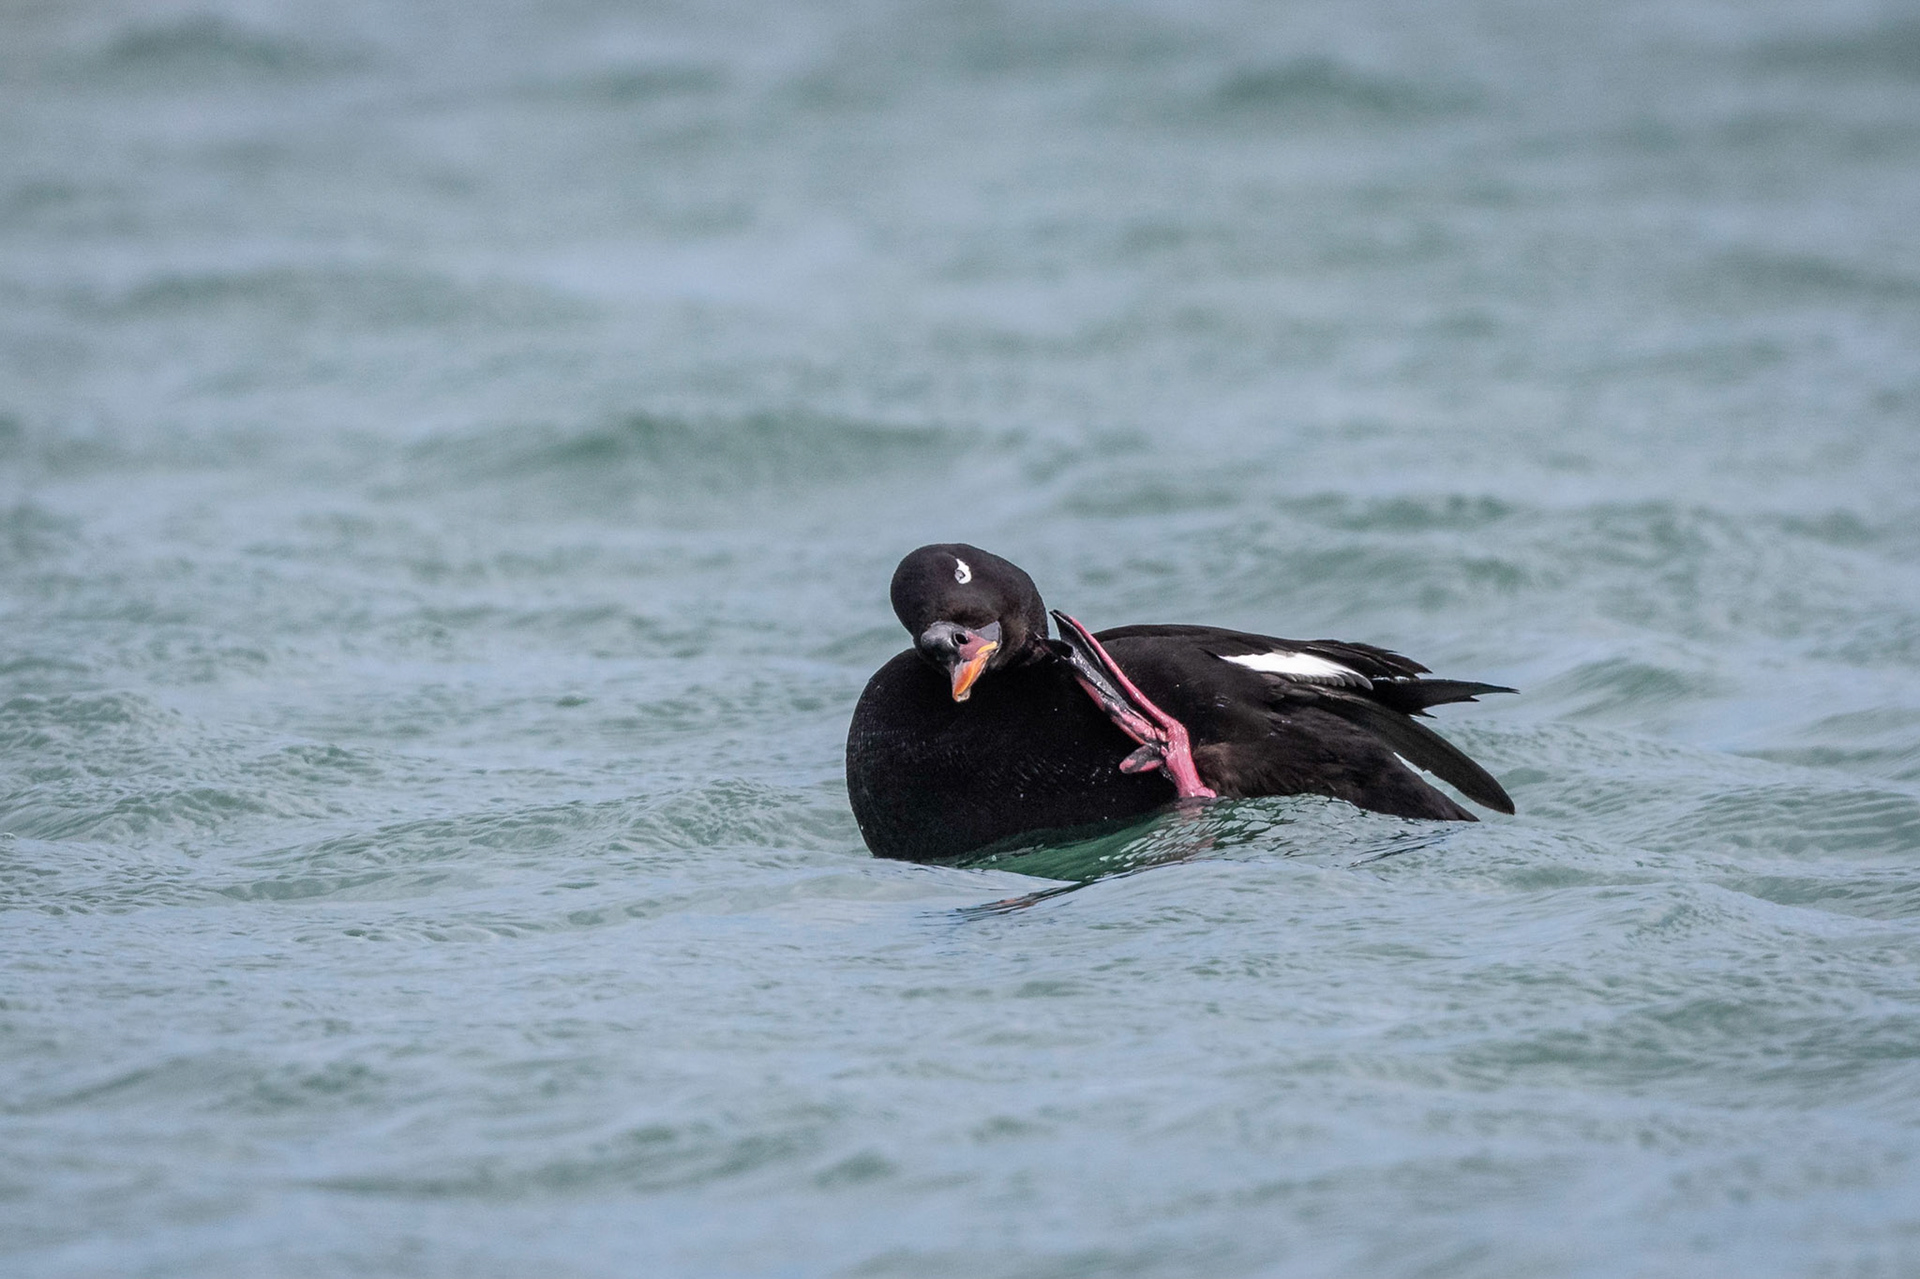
(451, 458)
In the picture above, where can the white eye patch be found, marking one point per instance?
(961, 573)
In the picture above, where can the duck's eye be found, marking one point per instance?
(961, 573)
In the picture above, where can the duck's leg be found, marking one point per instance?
(1163, 739)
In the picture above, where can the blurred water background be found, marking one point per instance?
(451, 460)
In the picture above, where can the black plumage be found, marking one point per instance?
(981, 731)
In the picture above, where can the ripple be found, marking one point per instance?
(1619, 687)
(1799, 820)
(650, 1157)
(1889, 50)
(1883, 741)
(1325, 87)
(118, 767)
(72, 877)
(369, 297)
(652, 454)
(1888, 894)
(183, 53)
(653, 834)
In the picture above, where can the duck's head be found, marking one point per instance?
(969, 612)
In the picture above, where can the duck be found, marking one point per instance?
(989, 729)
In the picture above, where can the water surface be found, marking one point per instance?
(451, 460)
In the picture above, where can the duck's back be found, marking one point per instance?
(1255, 734)
(929, 777)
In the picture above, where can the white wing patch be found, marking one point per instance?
(1303, 666)
(961, 572)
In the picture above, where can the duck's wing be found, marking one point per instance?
(1392, 678)
(1371, 688)
(1408, 738)
(1335, 663)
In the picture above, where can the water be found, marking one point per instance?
(451, 459)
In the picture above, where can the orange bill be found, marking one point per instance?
(973, 660)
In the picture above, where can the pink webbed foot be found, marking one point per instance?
(1163, 739)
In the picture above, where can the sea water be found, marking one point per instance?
(451, 461)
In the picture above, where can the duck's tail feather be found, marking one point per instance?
(1420, 745)
(1413, 696)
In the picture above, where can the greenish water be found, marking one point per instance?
(451, 460)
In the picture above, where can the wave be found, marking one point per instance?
(647, 836)
(1890, 50)
(1882, 741)
(1755, 278)
(669, 1153)
(700, 458)
(1713, 808)
(118, 768)
(373, 297)
(638, 83)
(1320, 87)
(185, 52)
